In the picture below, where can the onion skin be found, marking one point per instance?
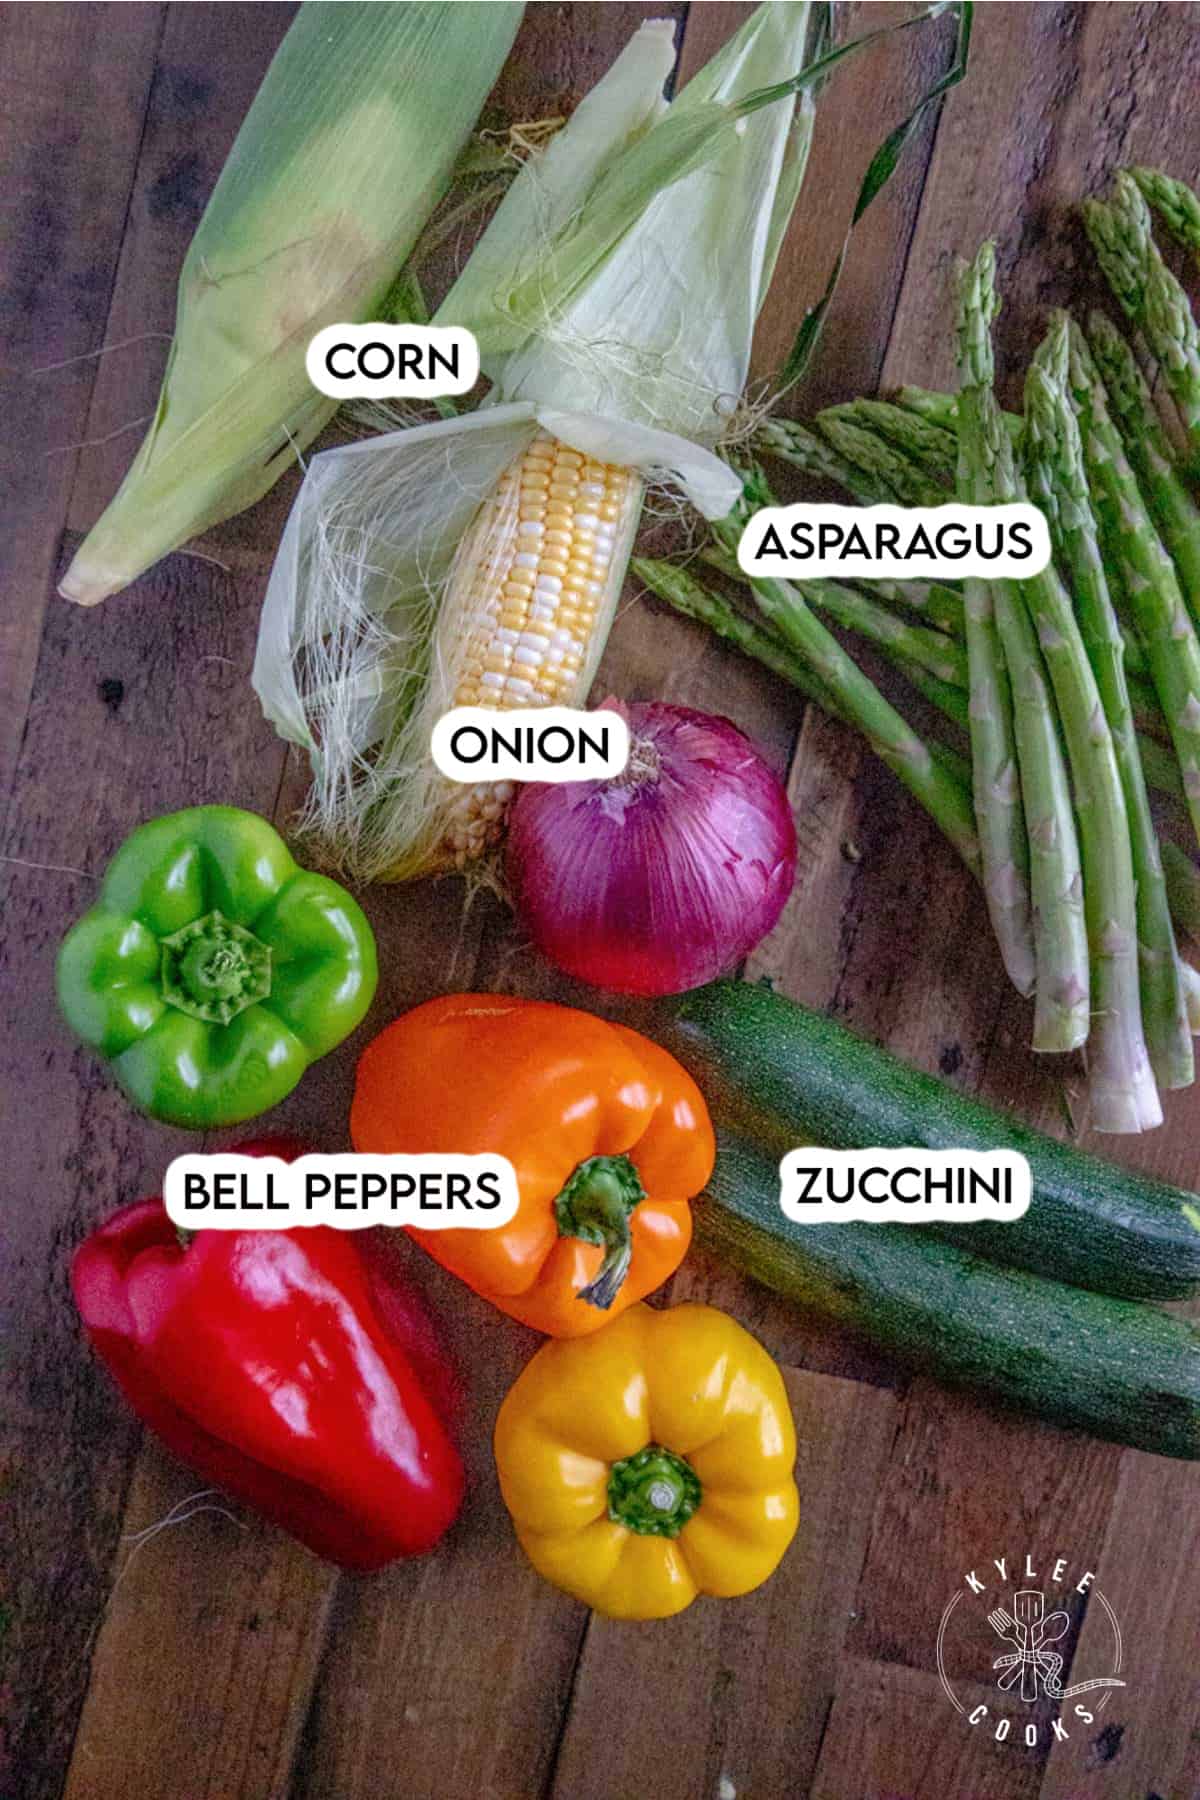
(666, 877)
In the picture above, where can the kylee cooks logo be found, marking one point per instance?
(1032, 1614)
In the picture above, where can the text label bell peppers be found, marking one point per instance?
(651, 1463)
(283, 1366)
(609, 1138)
(212, 969)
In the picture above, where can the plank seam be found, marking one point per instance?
(151, 86)
(912, 230)
(548, 1785)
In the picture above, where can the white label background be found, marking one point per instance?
(290, 1185)
(865, 519)
(505, 767)
(940, 1163)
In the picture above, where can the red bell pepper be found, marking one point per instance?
(283, 1366)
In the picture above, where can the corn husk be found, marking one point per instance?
(357, 648)
(345, 152)
(625, 269)
(614, 297)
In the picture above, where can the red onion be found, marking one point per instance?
(663, 878)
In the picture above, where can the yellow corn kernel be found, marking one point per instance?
(529, 578)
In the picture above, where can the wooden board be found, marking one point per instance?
(157, 1641)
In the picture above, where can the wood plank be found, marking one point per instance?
(966, 1484)
(105, 702)
(892, 1735)
(1145, 1740)
(745, 1684)
(214, 1623)
(68, 174)
(895, 73)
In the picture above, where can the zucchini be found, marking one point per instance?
(1121, 1371)
(777, 1071)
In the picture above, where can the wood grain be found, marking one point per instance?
(67, 179)
(213, 1657)
(224, 1674)
(888, 1737)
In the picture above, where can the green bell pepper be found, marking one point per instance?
(213, 969)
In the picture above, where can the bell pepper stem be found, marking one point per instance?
(595, 1205)
(213, 969)
(654, 1492)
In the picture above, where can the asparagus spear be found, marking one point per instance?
(881, 461)
(1149, 451)
(936, 408)
(942, 605)
(1058, 485)
(988, 477)
(688, 596)
(916, 644)
(922, 660)
(942, 409)
(681, 590)
(856, 696)
(1124, 1097)
(1144, 573)
(1191, 995)
(1003, 841)
(1183, 887)
(937, 601)
(1151, 297)
(795, 444)
(943, 598)
(1175, 204)
(925, 445)
(1160, 767)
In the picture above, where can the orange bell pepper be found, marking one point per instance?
(609, 1138)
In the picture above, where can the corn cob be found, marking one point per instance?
(344, 155)
(534, 578)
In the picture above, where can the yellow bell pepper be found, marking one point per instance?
(651, 1462)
